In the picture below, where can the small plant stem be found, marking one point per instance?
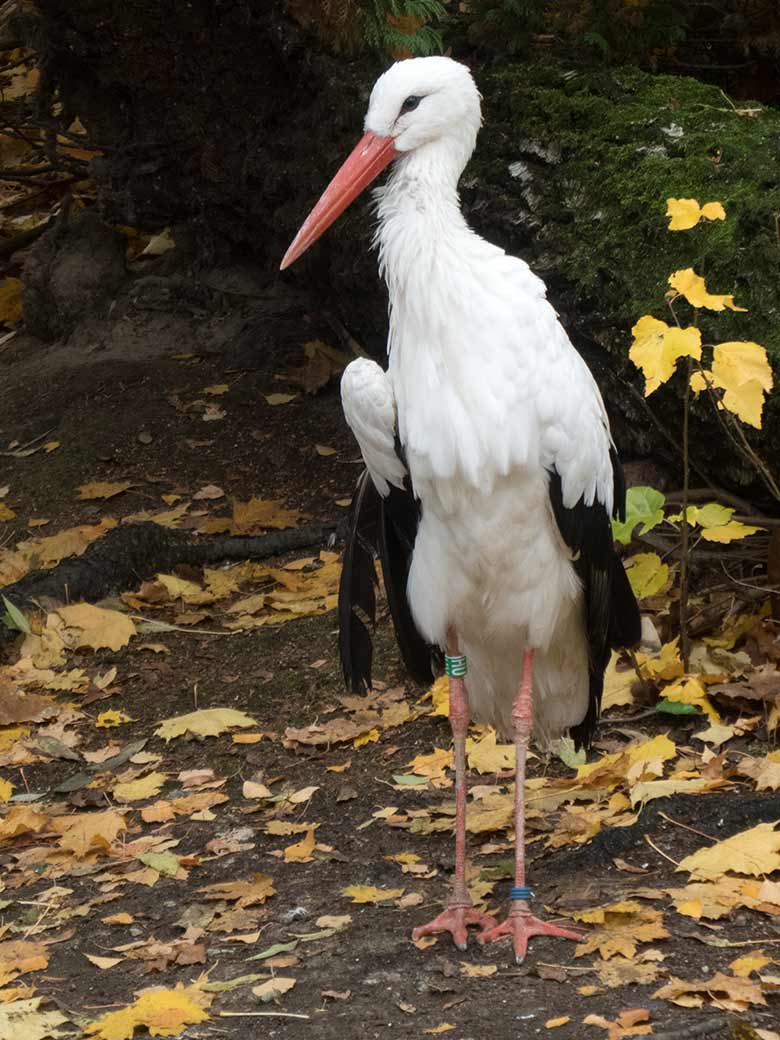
(684, 527)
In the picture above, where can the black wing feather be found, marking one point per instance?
(611, 610)
(386, 527)
(357, 597)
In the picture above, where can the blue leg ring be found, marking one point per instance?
(521, 892)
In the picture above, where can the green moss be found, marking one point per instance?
(626, 142)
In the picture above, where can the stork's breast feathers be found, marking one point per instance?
(369, 408)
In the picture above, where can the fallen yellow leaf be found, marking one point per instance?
(370, 894)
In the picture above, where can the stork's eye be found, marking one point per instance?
(410, 104)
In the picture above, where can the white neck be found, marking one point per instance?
(419, 216)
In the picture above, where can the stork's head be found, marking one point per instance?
(422, 104)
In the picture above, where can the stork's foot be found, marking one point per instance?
(456, 919)
(521, 925)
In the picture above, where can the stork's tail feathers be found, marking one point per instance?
(386, 527)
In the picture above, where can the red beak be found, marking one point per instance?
(369, 157)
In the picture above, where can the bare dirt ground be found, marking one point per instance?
(118, 400)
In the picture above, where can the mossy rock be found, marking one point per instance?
(573, 170)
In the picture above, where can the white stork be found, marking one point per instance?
(490, 474)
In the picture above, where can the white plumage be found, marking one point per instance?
(491, 473)
(488, 395)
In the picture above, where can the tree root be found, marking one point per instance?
(133, 553)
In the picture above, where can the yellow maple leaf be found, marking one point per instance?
(370, 894)
(6, 790)
(440, 696)
(619, 928)
(103, 489)
(657, 347)
(136, 790)
(730, 532)
(208, 722)
(111, 718)
(726, 992)
(258, 515)
(487, 756)
(742, 370)
(689, 690)
(686, 213)
(752, 852)
(369, 737)
(647, 574)
(617, 685)
(84, 834)
(163, 1012)
(243, 893)
(691, 285)
(666, 665)
(95, 627)
(749, 962)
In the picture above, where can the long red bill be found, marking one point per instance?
(367, 160)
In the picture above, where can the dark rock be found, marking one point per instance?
(73, 271)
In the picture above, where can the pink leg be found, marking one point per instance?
(460, 912)
(520, 922)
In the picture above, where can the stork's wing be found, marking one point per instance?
(384, 520)
(612, 613)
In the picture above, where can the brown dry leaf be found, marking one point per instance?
(19, 956)
(86, 834)
(22, 819)
(623, 972)
(723, 991)
(273, 988)
(251, 789)
(302, 851)
(765, 771)
(10, 299)
(243, 893)
(754, 852)
(103, 490)
(337, 921)
(95, 627)
(553, 1023)
(477, 971)
(258, 515)
(103, 962)
(208, 722)
(277, 399)
(443, 1027)
(121, 918)
(16, 706)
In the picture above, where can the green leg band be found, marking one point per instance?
(455, 666)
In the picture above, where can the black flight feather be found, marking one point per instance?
(611, 611)
(386, 527)
(356, 587)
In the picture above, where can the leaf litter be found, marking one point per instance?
(138, 827)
